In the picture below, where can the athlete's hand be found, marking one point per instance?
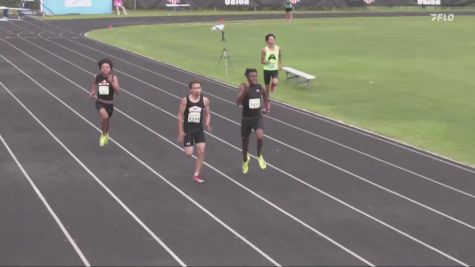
(92, 94)
(110, 79)
(208, 128)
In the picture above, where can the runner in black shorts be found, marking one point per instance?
(193, 109)
(271, 60)
(250, 97)
(105, 85)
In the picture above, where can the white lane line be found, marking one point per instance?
(45, 202)
(215, 169)
(285, 173)
(146, 166)
(117, 199)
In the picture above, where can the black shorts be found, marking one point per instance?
(250, 123)
(194, 137)
(109, 107)
(288, 9)
(270, 74)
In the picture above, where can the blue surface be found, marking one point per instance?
(62, 7)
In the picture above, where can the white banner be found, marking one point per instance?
(77, 3)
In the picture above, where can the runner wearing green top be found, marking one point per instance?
(271, 59)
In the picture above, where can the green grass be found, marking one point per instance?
(404, 77)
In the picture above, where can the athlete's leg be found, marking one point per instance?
(188, 143)
(200, 151)
(260, 141)
(104, 120)
(274, 84)
(189, 151)
(245, 148)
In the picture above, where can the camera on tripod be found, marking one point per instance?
(224, 56)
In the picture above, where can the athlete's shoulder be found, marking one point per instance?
(244, 86)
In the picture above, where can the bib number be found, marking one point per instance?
(272, 65)
(254, 103)
(194, 117)
(103, 89)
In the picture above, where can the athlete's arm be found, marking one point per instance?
(93, 92)
(263, 56)
(181, 112)
(264, 95)
(280, 58)
(114, 81)
(207, 115)
(242, 93)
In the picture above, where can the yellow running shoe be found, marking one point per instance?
(245, 165)
(107, 139)
(262, 162)
(102, 140)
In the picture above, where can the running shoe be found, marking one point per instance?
(107, 139)
(262, 162)
(245, 165)
(198, 179)
(102, 140)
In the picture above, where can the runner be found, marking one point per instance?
(250, 97)
(193, 109)
(289, 7)
(271, 59)
(105, 85)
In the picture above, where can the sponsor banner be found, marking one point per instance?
(306, 4)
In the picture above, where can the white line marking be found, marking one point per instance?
(290, 175)
(131, 213)
(45, 202)
(146, 166)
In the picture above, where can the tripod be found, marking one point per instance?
(224, 56)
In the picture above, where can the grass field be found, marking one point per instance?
(405, 77)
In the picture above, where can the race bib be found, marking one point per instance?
(103, 89)
(254, 103)
(194, 117)
(272, 65)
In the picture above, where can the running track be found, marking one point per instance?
(332, 194)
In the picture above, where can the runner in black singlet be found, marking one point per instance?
(251, 95)
(105, 85)
(194, 108)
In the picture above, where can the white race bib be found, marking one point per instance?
(254, 103)
(272, 66)
(104, 89)
(194, 117)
